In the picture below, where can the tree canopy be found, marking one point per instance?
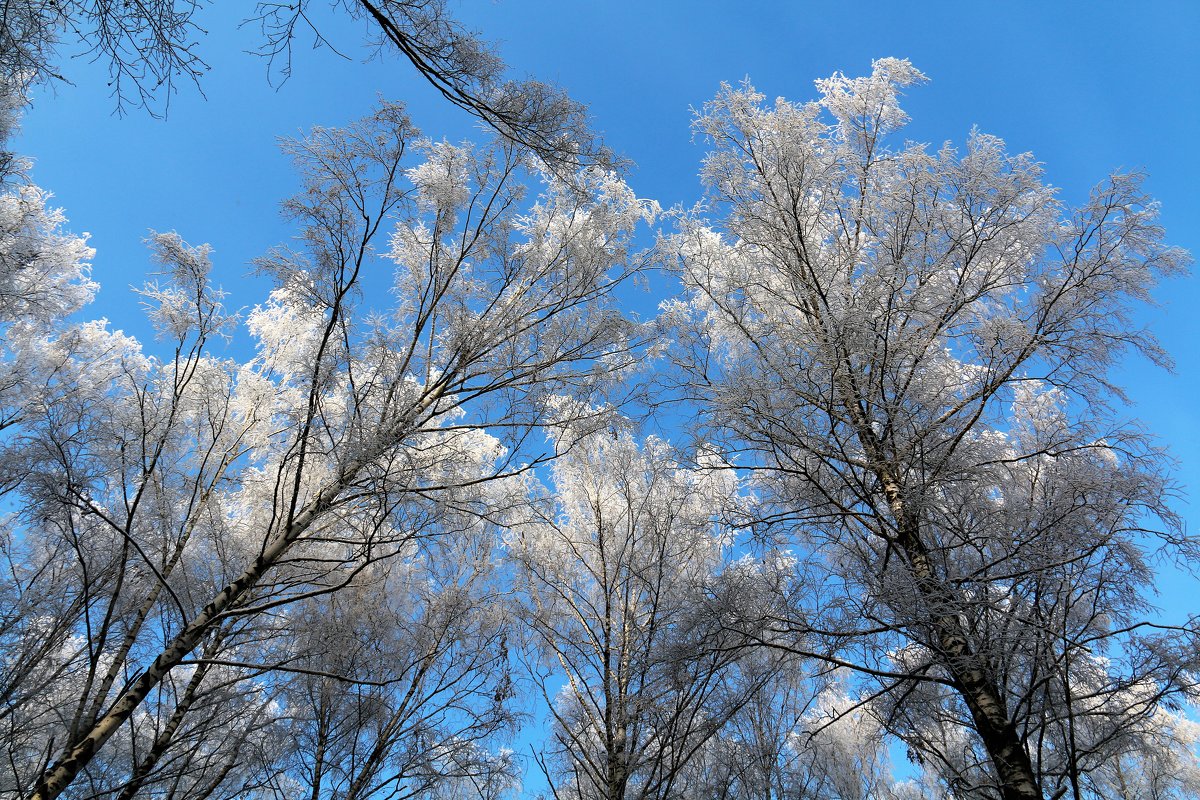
(363, 535)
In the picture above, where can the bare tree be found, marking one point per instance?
(610, 568)
(190, 493)
(909, 348)
(464, 69)
(150, 47)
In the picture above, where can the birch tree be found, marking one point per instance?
(620, 550)
(184, 500)
(910, 350)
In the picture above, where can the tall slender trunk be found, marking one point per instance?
(968, 673)
(1010, 759)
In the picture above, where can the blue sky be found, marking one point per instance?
(1086, 87)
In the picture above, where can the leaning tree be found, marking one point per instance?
(172, 517)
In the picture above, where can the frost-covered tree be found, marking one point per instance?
(278, 575)
(170, 514)
(910, 348)
(619, 552)
(44, 277)
(1158, 757)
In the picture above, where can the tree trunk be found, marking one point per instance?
(1010, 759)
(58, 777)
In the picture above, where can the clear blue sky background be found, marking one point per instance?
(1087, 87)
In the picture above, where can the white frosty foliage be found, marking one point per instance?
(870, 104)
(443, 180)
(44, 273)
(288, 329)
